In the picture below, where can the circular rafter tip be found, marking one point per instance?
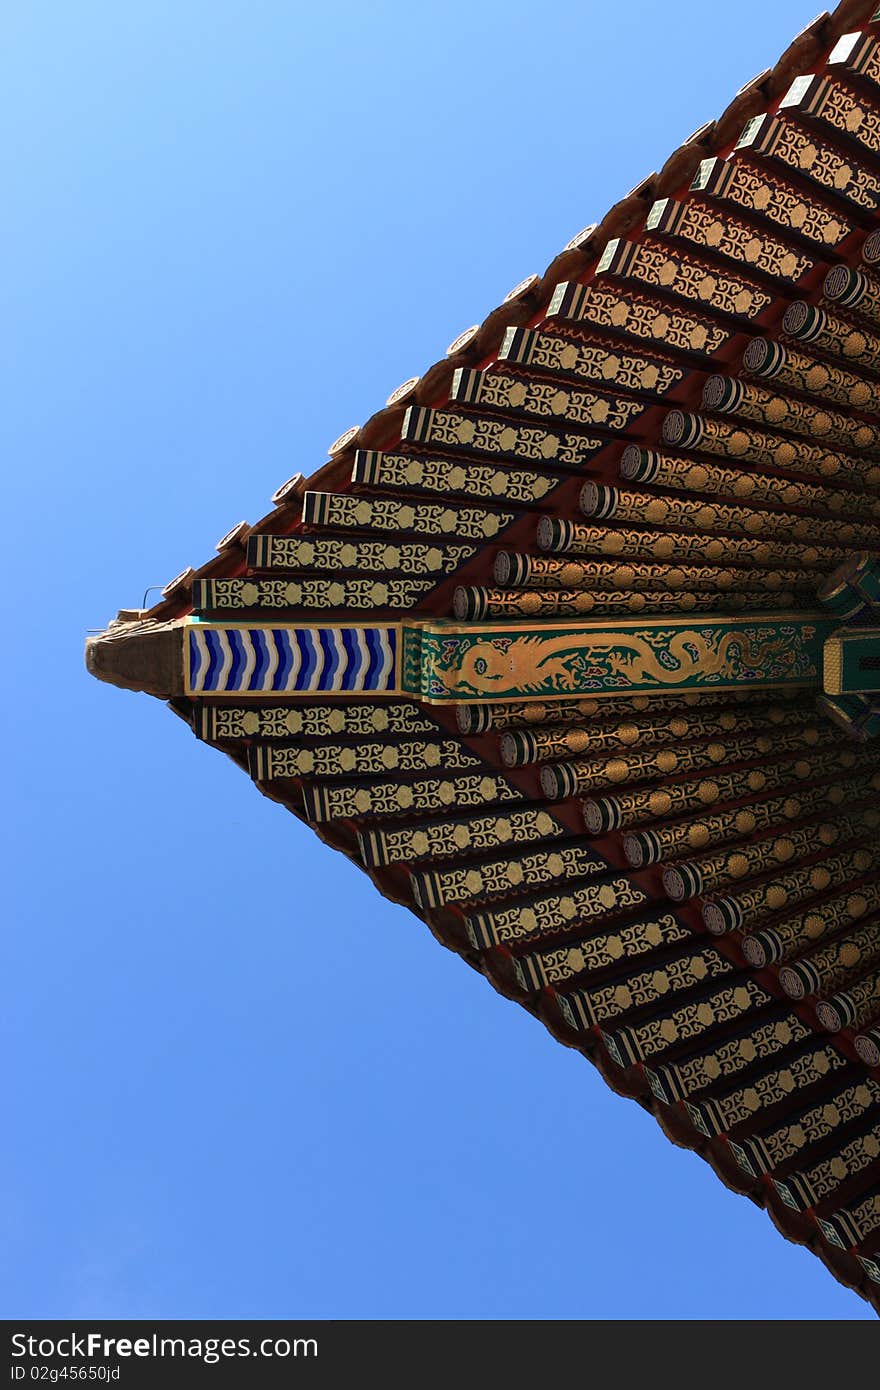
(233, 537)
(682, 430)
(871, 249)
(579, 241)
(829, 1016)
(755, 952)
(522, 289)
(180, 581)
(287, 490)
(764, 357)
(722, 393)
(722, 915)
(867, 1046)
(844, 286)
(403, 392)
(473, 719)
(464, 340)
(344, 441)
(597, 500)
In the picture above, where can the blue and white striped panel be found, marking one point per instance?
(290, 660)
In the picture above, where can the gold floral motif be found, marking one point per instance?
(361, 594)
(745, 485)
(656, 766)
(738, 241)
(546, 915)
(699, 794)
(717, 870)
(341, 760)
(786, 1142)
(343, 510)
(694, 279)
(504, 392)
(778, 202)
(769, 407)
(599, 951)
(641, 317)
(504, 484)
(823, 1178)
(656, 1035)
(481, 434)
(592, 359)
(383, 557)
(588, 1008)
(394, 798)
(703, 547)
(448, 838)
(757, 902)
(726, 1112)
(686, 1078)
(310, 721)
(505, 877)
(814, 377)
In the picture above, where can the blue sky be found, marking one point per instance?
(240, 1083)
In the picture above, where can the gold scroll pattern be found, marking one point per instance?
(802, 372)
(501, 391)
(737, 441)
(552, 913)
(856, 1006)
(599, 952)
(856, 1222)
(839, 338)
(685, 276)
(517, 713)
(705, 548)
(447, 837)
(801, 931)
(831, 966)
(674, 1081)
(698, 794)
(502, 878)
(341, 760)
(452, 429)
(332, 553)
(493, 482)
(725, 1112)
(675, 841)
(772, 1148)
(750, 401)
(744, 485)
(706, 875)
(589, 1008)
(546, 572)
(310, 721)
(693, 514)
(683, 1023)
(838, 108)
(814, 159)
(728, 236)
(590, 359)
(754, 903)
(769, 197)
(650, 765)
(818, 1181)
(638, 316)
(394, 798)
(543, 744)
(362, 595)
(342, 509)
(545, 603)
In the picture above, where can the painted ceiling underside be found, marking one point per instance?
(680, 417)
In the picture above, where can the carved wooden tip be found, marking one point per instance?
(144, 656)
